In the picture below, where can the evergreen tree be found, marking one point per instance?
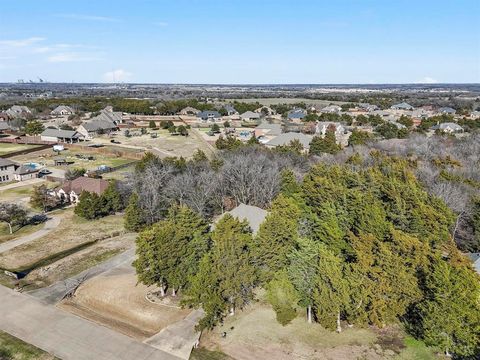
(288, 184)
(450, 314)
(133, 219)
(283, 297)
(34, 127)
(89, 206)
(199, 156)
(331, 293)
(277, 237)
(111, 199)
(152, 124)
(327, 144)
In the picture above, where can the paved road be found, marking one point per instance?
(65, 335)
(180, 337)
(55, 292)
(50, 225)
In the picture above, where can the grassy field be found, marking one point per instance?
(72, 235)
(274, 101)
(24, 230)
(6, 148)
(255, 334)
(12, 348)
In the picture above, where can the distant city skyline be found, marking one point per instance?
(241, 42)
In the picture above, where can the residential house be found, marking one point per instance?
(230, 110)
(4, 126)
(286, 138)
(368, 107)
(70, 191)
(209, 116)
(341, 133)
(253, 215)
(97, 126)
(331, 109)
(296, 115)
(402, 106)
(17, 111)
(189, 111)
(266, 110)
(447, 110)
(7, 170)
(62, 110)
(250, 116)
(25, 172)
(58, 135)
(475, 114)
(448, 128)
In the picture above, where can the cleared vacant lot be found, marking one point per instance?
(255, 334)
(6, 148)
(73, 234)
(114, 299)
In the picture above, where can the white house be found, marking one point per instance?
(62, 110)
(7, 170)
(250, 116)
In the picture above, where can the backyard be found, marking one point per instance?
(6, 148)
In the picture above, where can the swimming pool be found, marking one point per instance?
(33, 166)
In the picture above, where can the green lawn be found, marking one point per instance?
(416, 350)
(6, 148)
(204, 354)
(12, 348)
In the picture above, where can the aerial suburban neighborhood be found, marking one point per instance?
(239, 180)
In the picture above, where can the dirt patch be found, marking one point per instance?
(115, 300)
(255, 334)
(72, 233)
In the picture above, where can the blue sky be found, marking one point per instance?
(240, 41)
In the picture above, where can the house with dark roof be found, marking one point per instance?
(230, 110)
(70, 191)
(7, 170)
(104, 123)
(59, 135)
(209, 116)
(447, 110)
(296, 115)
(26, 172)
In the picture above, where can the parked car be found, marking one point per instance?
(113, 141)
(44, 172)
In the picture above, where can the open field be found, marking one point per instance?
(77, 262)
(255, 334)
(72, 235)
(24, 230)
(114, 299)
(12, 348)
(6, 148)
(163, 145)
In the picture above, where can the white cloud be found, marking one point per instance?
(427, 80)
(88, 17)
(21, 42)
(118, 75)
(70, 57)
(161, 23)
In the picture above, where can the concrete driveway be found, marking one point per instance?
(32, 182)
(68, 336)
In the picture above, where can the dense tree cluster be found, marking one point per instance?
(361, 243)
(92, 206)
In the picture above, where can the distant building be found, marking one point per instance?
(58, 135)
(4, 126)
(62, 110)
(17, 111)
(448, 127)
(323, 126)
(189, 111)
(104, 123)
(209, 116)
(296, 115)
(268, 111)
(447, 110)
(402, 106)
(475, 258)
(230, 110)
(7, 170)
(250, 116)
(333, 109)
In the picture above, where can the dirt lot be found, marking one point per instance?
(46, 158)
(163, 145)
(255, 334)
(72, 233)
(115, 300)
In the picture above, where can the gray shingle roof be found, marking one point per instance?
(64, 134)
(254, 215)
(6, 162)
(286, 138)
